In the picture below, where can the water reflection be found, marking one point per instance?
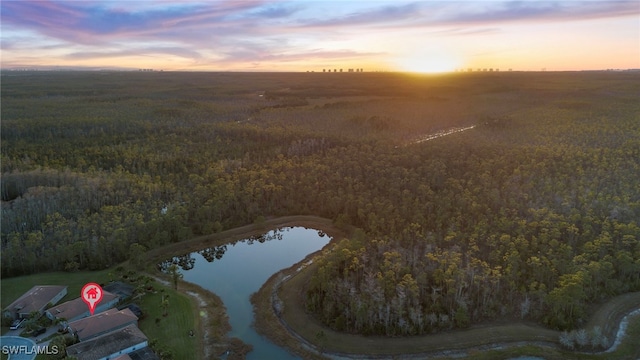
(187, 261)
(238, 269)
(213, 253)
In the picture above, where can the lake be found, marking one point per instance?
(235, 271)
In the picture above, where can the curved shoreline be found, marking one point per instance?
(501, 335)
(215, 328)
(621, 333)
(231, 236)
(276, 306)
(270, 308)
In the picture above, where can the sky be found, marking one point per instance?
(422, 36)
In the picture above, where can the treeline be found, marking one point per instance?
(479, 232)
(532, 214)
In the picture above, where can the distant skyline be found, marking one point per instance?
(424, 36)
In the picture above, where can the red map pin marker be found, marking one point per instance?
(91, 294)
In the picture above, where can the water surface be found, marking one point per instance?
(234, 272)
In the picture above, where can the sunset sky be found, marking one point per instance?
(428, 36)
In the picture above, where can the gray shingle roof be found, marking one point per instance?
(104, 322)
(35, 299)
(76, 307)
(108, 344)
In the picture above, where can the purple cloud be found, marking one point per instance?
(146, 51)
(459, 13)
(202, 23)
(496, 12)
(90, 23)
(313, 54)
(385, 14)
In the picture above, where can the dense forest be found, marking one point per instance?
(533, 213)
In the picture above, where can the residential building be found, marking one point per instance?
(36, 299)
(110, 346)
(103, 323)
(77, 309)
(142, 354)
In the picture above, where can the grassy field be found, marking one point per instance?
(171, 331)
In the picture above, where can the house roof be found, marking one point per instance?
(35, 299)
(143, 354)
(108, 344)
(76, 307)
(100, 323)
(119, 288)
(123, 357)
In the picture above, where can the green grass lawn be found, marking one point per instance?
(172, 331)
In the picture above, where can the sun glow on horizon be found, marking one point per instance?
(428, 62)
(399, 35)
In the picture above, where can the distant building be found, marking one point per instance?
(77, 309)
(113, 345)
(103, 323)
(36, 299)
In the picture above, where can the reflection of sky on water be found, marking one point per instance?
(243, 269)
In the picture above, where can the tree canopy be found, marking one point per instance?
(532, 214)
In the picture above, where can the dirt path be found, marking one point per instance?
(440, 134)
(615, 314)
(205, 319)
(621, 333)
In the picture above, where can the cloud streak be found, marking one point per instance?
(266, 31)
(86, 24)
(543, 11)
(468, 13)
(148, 51)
